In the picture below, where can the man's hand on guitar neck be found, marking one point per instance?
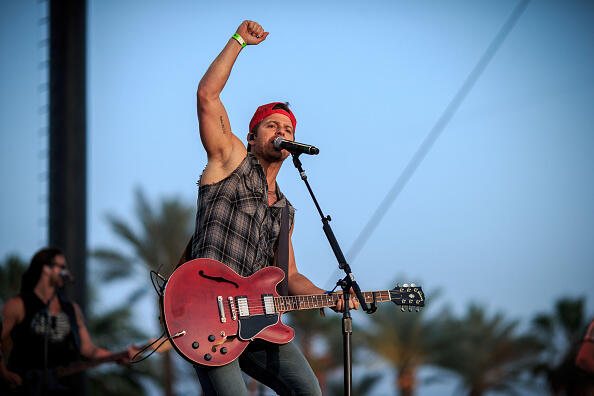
(353, 301)
(132, 351)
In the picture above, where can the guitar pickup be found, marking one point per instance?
(221, 309)
(268, 300)
(243, 307)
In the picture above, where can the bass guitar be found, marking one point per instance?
(211, 313)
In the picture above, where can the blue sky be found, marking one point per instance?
(500, 213)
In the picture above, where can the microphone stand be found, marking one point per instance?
(46, 383)
(346, 284)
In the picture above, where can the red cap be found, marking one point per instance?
(266, 110)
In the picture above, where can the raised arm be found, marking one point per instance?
(222, 147)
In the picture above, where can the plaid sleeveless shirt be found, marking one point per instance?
(234, 223)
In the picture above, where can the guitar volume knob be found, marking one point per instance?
(211, 338)
(207, 357)
(195, 345)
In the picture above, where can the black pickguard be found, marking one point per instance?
(250, 327)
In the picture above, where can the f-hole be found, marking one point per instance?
(217, 278)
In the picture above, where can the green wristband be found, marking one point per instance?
(239, 39)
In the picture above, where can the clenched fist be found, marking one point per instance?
(251, 32)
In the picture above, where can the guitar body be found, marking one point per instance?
(211, 313)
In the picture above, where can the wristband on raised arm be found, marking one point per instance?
(239, 39)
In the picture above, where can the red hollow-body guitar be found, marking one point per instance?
(211, 313)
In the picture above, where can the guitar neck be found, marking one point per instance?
(297, 303)
(84, 365)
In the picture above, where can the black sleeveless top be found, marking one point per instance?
(28, 337)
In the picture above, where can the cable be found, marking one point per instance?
(435, 132)
(159, 287)
(133, 360)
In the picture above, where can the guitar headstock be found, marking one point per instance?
(408, 296)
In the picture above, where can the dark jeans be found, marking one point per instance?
(280, 367)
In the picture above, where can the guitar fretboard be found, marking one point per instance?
(81, 366)
(295, 303)
(77, 367)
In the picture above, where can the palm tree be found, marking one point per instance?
(361, 386)
(320, 339)
(486, 352)
(155, 244)
(560, 333)
(11, 270)
(114, 329)
(407, 341)
(311, 330)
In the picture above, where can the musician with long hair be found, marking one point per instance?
(46, 330)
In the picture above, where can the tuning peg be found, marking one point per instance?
(402, 308)
(412, 285)
(418, 309)
(405, 285)
(397, 284)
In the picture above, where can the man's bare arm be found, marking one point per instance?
(13, 313)
(299, 284)
(215, 130)
(87, 348)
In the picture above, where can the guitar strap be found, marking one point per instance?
(185, 256)
(282, 257)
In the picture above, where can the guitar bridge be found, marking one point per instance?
(232, 308)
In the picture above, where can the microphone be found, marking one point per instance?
(294, 147)
(65, 274)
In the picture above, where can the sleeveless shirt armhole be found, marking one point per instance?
(206, 187)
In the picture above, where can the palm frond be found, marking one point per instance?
(156, 239)
(112, 265)
(11, 271)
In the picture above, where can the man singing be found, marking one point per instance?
(45, 330)
(240, 218)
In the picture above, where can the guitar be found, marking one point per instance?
(211, 313)
(33, 381)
